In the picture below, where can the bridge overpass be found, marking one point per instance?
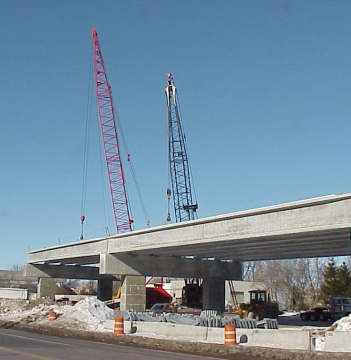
(318, 227)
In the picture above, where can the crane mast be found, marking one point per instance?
(184, 205)
(107, 119)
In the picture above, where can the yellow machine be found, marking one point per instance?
(259, 307)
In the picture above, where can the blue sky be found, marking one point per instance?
(265, 96)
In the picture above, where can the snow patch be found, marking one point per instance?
(88, 314)
(344, 324)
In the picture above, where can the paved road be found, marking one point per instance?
(15, 345)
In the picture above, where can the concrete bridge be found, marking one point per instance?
(211, 248)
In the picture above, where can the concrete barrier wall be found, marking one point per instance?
(13, 293)
(337, 341)
(286, 338)
(198, 333)
(282, 338)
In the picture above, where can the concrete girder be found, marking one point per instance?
(167, 266)
(65, 272)
(309, 228)
(314, 244)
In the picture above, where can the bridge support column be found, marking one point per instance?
(133, 294)
(213, 294)
(46, 288)
(213, 290)
(105, 289)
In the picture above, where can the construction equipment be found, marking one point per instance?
(192, 293)
(339, 306)
(259, 307)
(184, 199)
(107, 118)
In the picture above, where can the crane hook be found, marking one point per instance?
(168, 192)
(82, 218)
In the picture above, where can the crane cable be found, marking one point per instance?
(86, 157)
(86, 153)
(130, 162)
(189, 167)
(85, 162)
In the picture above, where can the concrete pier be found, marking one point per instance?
(105, 289)
(133, 295)
(213, 292)
(46, 288)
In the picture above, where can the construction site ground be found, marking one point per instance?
(195, 348)
(72, 325)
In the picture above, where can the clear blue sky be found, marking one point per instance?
(265, 96)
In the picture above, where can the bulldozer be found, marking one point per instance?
(259, 307)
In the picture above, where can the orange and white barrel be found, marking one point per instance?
(119, 325)
(230, 335)
(52, 316)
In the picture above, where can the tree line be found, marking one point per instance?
(299, 284)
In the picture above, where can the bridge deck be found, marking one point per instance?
(316, 227)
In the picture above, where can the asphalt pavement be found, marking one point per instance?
(15, 345)
(293, 321)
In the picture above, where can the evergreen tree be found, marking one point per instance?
(330, 284)
(344, 279)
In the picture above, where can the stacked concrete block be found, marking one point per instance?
(133, 294)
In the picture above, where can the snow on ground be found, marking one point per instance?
(344, 324)
(290, 314)
(87, 314)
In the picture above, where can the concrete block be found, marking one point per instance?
(134, 289)
(133, 293)
(337, 341)
(13, 293)
(284, 338)
(215, 335)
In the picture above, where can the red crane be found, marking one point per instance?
(106, 113)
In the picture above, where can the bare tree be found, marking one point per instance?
(294, 283)
(16, 267)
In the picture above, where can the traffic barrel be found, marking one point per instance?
(52, 316)
(119, 325)
(230, 335)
